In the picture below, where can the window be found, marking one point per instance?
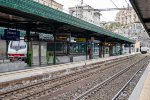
(18, 44)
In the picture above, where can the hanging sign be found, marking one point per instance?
(63, 37)
(80, 39)
(46, 37)
(11, 35)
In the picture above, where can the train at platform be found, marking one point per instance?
(144, 50)
(17, 50)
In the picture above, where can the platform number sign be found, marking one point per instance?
(11, 35)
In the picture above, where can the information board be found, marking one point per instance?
(11, 35)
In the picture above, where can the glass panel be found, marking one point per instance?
(18, 44)
(14, 44)
(22, 44)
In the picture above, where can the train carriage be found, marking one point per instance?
(17, 50)
(144, 50)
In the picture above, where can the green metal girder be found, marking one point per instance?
(32, 7)
(1, 31)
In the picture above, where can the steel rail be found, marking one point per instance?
(122, 89)
(79, 71)
(81, 77)
(98, 86)
(64, 76)
(53, 66)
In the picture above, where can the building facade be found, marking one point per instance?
(126, 17)
(51, 3)
(131, 27)
(86, 13)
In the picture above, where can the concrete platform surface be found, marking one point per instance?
(142, 89)
(9, 76)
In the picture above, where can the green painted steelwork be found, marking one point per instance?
(1, 31)
(32, 7)
(29, 58)
(54, 50)
(47, 57)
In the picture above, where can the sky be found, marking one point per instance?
(98, 4)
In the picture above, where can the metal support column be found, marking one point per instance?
(40, 53)
(116, 51)
(113, 50)
(29, 48)
(68, 48)
(110, 50)
(86, 46)
(54, 50)
(92, 48)
(103, 51)
(121, 49)
(78, 48)
(100, 50)
(7, 43)
(104, 46)
(129, 48)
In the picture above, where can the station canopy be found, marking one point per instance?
(25, 14)
(142, 8)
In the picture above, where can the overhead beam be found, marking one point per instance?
(148, 30)
(137, 10)
(107, 9)
(146, 20)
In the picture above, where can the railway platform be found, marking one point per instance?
(7, 66)
(16, 75)
(142, 89)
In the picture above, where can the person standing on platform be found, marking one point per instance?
(90, 53)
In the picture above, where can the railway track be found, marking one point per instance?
(43, 73)
(79, 71)
(100, 88)
(127, 89)
(49, 88)
(81, 86)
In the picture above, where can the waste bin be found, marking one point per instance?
(71, 58)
